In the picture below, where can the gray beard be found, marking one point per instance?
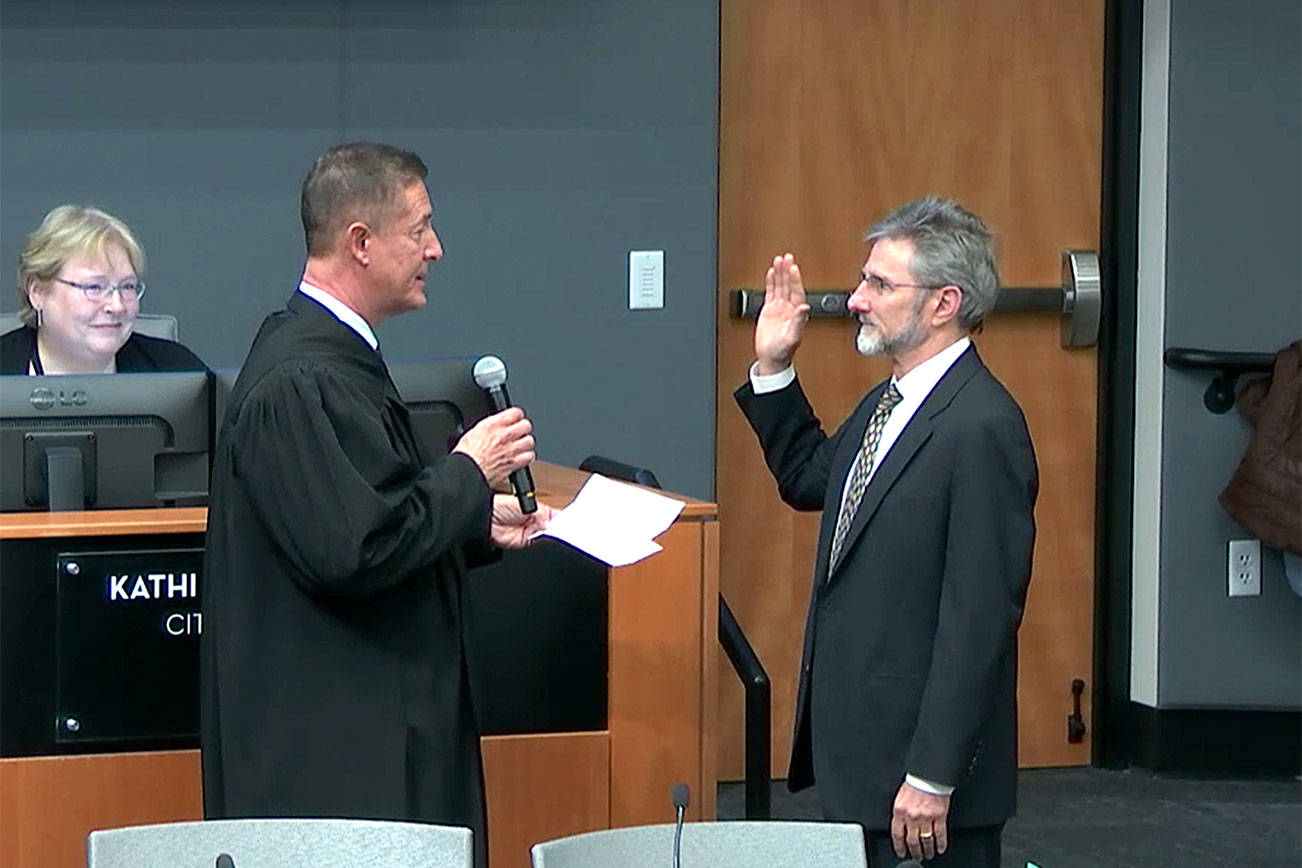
(876, 343)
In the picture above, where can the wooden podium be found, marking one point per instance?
(662, 634)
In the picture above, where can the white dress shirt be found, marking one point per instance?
(342, 312)
(914, 387)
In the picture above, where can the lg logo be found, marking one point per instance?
(45, 399)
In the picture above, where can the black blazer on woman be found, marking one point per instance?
(910, 655)
(139, 353)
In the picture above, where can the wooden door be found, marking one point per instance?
(832, 112)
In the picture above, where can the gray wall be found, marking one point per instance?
(559, 136)
(1233, 282)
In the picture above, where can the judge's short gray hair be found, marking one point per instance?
(362, 181)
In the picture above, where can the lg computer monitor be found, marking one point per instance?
(104, 441)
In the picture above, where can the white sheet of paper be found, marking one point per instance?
(614, 522)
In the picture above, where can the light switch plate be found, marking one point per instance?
(646, 279)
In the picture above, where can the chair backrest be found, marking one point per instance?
(619, 470)
(740, 844)
(155, 325)
(282, 844)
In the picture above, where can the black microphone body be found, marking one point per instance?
(522, 479)
(490, 375)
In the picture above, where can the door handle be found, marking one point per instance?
(1079, 301)
(1082, 298)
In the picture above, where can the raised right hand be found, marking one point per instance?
(499, 444)
(781, 322)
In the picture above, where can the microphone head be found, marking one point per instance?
(681, 795)
(489, 372)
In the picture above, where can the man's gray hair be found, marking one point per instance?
(362, 182)
(951, 246)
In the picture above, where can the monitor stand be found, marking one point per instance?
(65, 478)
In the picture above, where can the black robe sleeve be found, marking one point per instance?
(328, 472)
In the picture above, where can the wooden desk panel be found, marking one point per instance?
(658, 704)
(542, 787)
(539, 787)
(105, 522)
(48, 805)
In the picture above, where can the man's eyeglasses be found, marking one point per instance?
(127, 290)
(880, 287)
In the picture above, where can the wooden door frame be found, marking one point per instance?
(1114, 484)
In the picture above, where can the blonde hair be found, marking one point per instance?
(66, 231)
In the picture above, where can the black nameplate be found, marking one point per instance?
(127, 645)
(115, 646)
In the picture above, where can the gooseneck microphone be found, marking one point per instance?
(490, 375)
(681, 797)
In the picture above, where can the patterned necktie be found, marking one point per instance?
(863, 466)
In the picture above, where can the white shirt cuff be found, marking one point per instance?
(763, 383)
(928, 786)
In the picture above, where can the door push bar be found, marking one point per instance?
(1079, 301)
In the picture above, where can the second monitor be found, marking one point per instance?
(440, 394)
(441, 397)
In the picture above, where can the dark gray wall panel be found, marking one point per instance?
(559, 136)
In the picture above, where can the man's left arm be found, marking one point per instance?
(988, 548)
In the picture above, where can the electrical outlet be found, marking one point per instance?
(1244, 567)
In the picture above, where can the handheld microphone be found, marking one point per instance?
(681, 797)
(490, 375)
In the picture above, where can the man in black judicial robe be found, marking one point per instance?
(334, 678)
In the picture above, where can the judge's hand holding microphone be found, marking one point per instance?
(502, 444)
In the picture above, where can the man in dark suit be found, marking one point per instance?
(333, 672)
(906, 714)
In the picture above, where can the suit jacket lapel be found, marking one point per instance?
(911, 439)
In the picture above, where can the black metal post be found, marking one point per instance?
(755, 681)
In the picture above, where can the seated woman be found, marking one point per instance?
(80, 288)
